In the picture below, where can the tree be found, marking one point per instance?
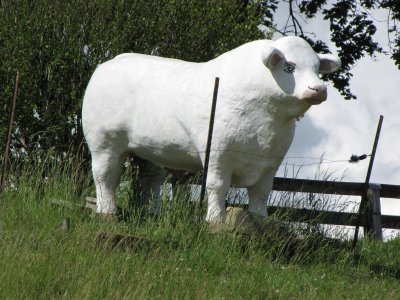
(352, 31)
(57, 44)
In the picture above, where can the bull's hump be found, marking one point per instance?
(152, 59)
(250, 50)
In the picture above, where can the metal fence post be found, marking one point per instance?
(209, 139)
(365, 196)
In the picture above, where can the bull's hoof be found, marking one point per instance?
(244, 222)
(220, 227)
(239, 221)
(108, 217)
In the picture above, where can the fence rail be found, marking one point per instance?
(373, 221)
(332, 187)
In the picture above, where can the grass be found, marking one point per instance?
(39, 260)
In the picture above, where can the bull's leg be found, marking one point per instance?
(152, 177)
(218, 183)
(107, 170)
(258, 195)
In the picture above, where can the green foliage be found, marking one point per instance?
(56, 45)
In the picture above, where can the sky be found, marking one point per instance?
(339, 128)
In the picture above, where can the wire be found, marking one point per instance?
(319, 160)
(315, 164)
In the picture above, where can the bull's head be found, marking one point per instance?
(295, 67)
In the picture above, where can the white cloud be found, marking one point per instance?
(338, 128)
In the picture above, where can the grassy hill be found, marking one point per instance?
(175, 257)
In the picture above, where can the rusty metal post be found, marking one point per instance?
(9, 133)
(368, 177)
(209, 139)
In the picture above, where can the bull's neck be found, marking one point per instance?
(286, 108)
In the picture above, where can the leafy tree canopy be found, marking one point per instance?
(352, 27)
(57, 44)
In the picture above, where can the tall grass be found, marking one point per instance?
(318, 203)
(182, 259)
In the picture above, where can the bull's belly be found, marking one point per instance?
(244, 173)
(169, 156)
(246, 166)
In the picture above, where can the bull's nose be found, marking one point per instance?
(315, 94)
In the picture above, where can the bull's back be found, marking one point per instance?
(145, 105)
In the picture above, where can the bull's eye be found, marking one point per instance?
(289, 67)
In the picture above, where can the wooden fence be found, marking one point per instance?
(373, 221)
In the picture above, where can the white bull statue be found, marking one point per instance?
(158, 109)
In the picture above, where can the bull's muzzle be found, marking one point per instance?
(315, 94)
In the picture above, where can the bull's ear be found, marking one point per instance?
(329, 63)
(271, 57)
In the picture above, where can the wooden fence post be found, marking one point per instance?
(373, 216)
